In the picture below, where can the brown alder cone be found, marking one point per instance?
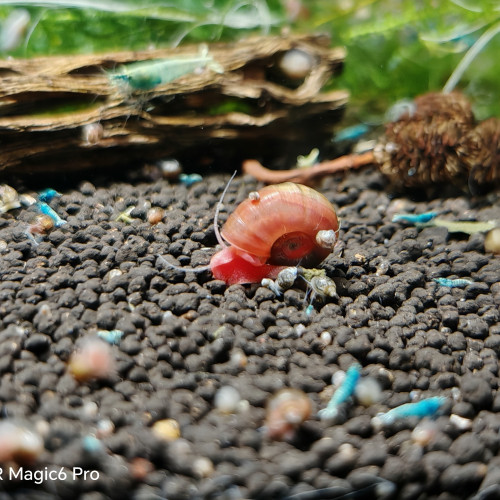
(421, 148)
(435, 143)
(479, 151)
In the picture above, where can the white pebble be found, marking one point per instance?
(167, 315)
(368, 391)
(114, 273)
(299, 330)
(42, 427)
(238, 358)
(227, 399)
(377, 423)
(90, 409)
(382, 268)
(414, 395)
(203, 467)
(384, 373)
(19, 441)
(338, 377)
(45, 310)
(243, 406)
(385, 489)
(326, 337)
(347, 451)
(424, 433)
(180, 447)
(462, 423)
(492, 241)
(170, 169)
(456, 394)
(105, 428)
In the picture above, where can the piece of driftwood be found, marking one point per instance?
(65, 113)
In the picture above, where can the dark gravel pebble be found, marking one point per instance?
(463, 479)
(476, 391)
(186, 335)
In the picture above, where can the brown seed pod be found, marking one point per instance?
(479, 151)
(420, 149)
(434, 141)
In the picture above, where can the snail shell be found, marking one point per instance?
(280, 225)
(286, 411)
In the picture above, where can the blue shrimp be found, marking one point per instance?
(343, 393)
(190, 179)
(457, 283)
(415, 218)
(47, 195)
(46, 210)
(351, 133)
(429, 407)
(112, 337)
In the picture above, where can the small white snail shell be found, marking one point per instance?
(296, 64)
(286, 410)
(287, 277)
(326, 238)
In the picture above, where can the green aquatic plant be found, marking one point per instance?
(400, 49)
(79, 26)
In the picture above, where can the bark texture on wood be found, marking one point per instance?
(64, 113)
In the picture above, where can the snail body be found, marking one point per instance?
(279, 226)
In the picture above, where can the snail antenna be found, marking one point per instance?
(183, 269)
(217, 210)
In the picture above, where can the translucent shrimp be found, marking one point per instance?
(146, 75)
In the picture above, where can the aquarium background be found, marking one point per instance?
(396, 49)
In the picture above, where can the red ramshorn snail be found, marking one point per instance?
(281, 225)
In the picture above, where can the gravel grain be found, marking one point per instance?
(186, 335)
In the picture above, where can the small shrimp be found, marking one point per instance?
(415, 218)
(46, 210)
(47, 195)
(189, 179)
(457, 283)
(429, 407)
(146, 75)
(342, 394)
(112, 337)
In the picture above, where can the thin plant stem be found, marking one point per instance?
(470, 55)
